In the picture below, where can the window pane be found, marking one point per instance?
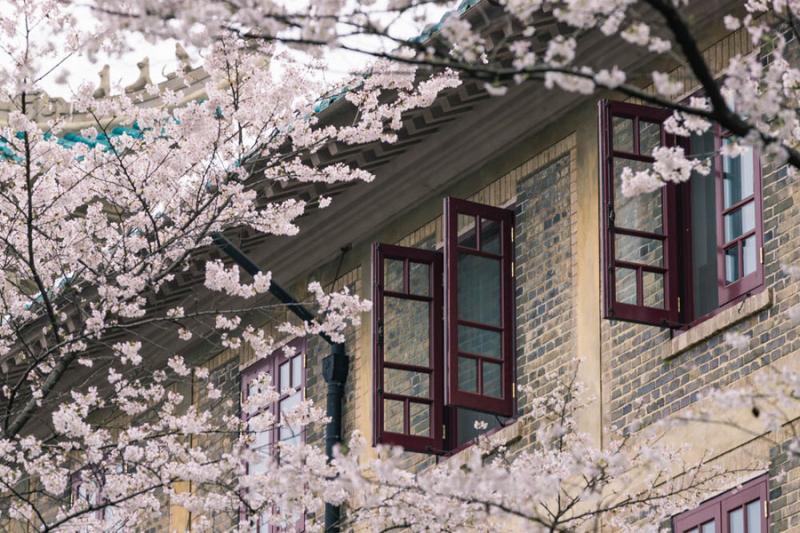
(479, 289)
(749, 255)
(741, 221)
(490, 236)
(479, 341)
(406, 382)
(709, 527)
(623, 134)
(393, 416)
(625, 279)
(467, 374)
(736, 521)
(419, 279)
(737, 176)
(692, 531)
(639, 250)
(754, 517)
(704, 231)
(466, 231)
(420, 419)
(393, 275)
(653, 289)
(406, 335)
(286, 431)
(649, 137)
(297, 370)
(641, 212)
(492, 379)
(465, 424)
(284, 381)
(732, 264)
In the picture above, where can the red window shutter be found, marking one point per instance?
(408, 361)
(479, 255)
(639, 233)
(740, 231)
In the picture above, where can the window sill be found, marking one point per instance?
(501, 437)
(748, 307)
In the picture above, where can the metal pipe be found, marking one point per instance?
(334, 366)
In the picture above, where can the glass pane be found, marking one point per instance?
(653, 289)
(467, 374)
(737, 178)
(625, 279)
(623, 134)
(406, 334)
(490, 236)
(641, 212)
(466, 231)
(393, 416)
(406, 382)
(479, 289)
(754, 517)
(732, 264)
(284, 381)
(288, 432)
(749, 255)
(741, 221)
(639, 250)
(736, 521)
(258, 463)
(479, 341)
(704, 231)
(393, 275)
(692, 531)
(492, 379)
(709, 527)
(419, 279)
(649, 137)
(297, 370)
(465, 424)
(420, 419)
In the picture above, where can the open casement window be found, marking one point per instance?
(480, 307)
(409, 371)
(742, 510)
(640, 232)
(285, 370)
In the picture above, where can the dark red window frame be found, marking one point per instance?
(271, 365)
(717, 509)
(679, 313)
(613, 309)
(505, 404)
(434, 443)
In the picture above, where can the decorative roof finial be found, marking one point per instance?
(104, 89)
(183, 57)
(144, 76)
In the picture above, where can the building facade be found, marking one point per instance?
(498, 250)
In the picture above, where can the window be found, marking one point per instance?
(675, 256)
(742, 510)
(286, 371)
(444, 332)
(88, 486)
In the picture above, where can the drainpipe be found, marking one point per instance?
(334, 366)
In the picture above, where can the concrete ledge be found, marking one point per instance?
(719, 323)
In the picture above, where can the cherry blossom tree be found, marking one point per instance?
(94, 233)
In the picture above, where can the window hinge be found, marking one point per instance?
(679, 304)
(761, 255)
(512, 234)
(513, 265)
(765, 508)
(513, 392)
(444, 431)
